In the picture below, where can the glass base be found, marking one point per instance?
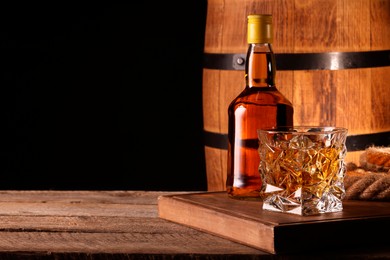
(304, 207)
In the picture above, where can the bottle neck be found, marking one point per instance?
(260, 67)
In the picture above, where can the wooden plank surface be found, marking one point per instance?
(360, 224)
(101, 224)
(116, 225)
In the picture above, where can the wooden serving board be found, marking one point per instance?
(360, 224)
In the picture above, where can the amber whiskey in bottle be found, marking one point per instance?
(259, 105)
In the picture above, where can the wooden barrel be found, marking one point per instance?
(333, 64)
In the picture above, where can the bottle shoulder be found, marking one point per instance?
(261, 96)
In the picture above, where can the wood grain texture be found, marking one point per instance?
(89, 224)
(353, 98)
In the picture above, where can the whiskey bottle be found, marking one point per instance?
(259, 105)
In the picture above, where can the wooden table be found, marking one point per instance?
(117, 224)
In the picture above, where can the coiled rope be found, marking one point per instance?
(367, 185)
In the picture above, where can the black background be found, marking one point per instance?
(102, 96)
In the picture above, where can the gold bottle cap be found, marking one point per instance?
(260, 28)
